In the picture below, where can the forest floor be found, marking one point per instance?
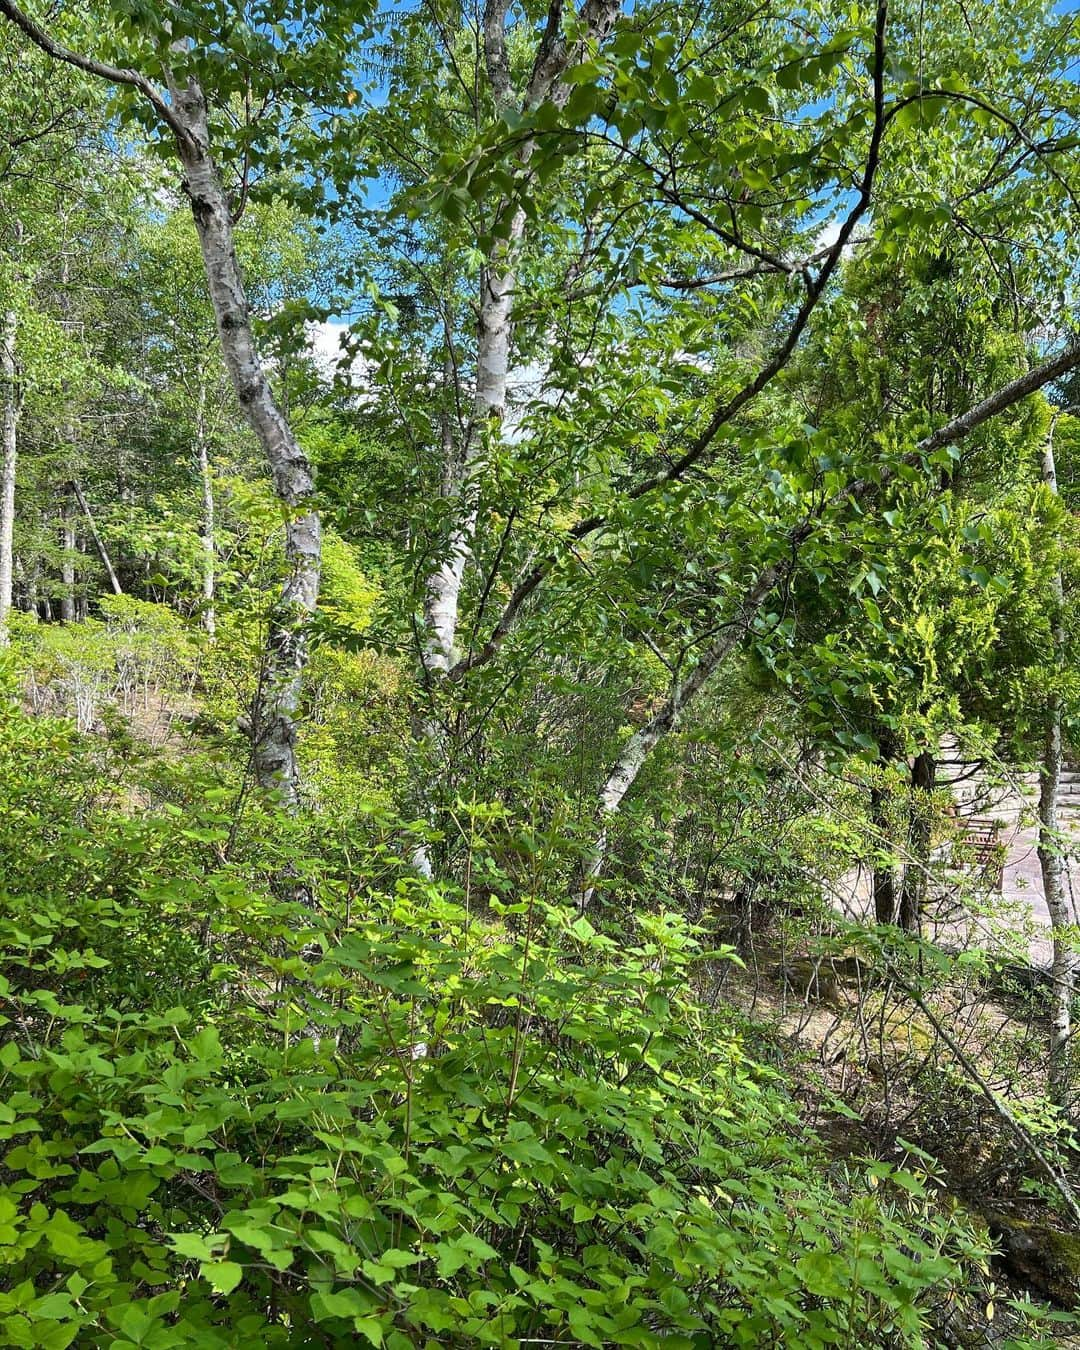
(874, 1076)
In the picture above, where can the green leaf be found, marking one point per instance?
(222, 1276)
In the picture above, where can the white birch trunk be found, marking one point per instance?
(494, 337)
(636, 751)
(273, 721)
(10, 418)
(1063, 969)
(274, 713)
(67, 560)
(67, 523)
(207, 616)
(494, 333)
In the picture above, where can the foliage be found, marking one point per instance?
(646, 595)
(467, 1121)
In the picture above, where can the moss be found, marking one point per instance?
(1044, 1256)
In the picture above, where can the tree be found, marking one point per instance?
(1062, 918)
(182, 110)
(10, 418)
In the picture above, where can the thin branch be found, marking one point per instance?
(1015, 1127)
(815, 287)
(114, 74)
(745, 395)
(744, 273)
(952, 431)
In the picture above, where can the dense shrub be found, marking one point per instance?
(407, 1117)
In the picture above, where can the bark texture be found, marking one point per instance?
(494, 334)
(1051, 863)
(276, 705)
(9, 393)
(913, 889)
(67, 558)
(209, 558)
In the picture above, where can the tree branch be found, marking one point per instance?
(101, 69)
(952, 431)
(749, 391)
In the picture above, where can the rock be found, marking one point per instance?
(821, 977)
(1037, 1252)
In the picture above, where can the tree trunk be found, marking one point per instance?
(67, 559)
(207, 616)
(494, 335)
(884, 883)
(629, 764)
(277, 701)
(635, 752)
(884, 873)
(1063, 970)
(494, 332)
(914, 887)
(102, 552)
(1051, 863)
(274, 711)
(10, 415)
(442, 589)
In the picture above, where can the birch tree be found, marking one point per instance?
(877, 125)
(628, 765)
(555, 53)
(1050, 844)
(9, 417)
(179, 107)
(564, 41)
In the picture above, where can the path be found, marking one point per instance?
(1011, 805)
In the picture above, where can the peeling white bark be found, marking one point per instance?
(1064, 964)
(442, 592)
(494, 334)
(10, 415)
(274, 714)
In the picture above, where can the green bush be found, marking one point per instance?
(406, 1117)
(136, 655)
